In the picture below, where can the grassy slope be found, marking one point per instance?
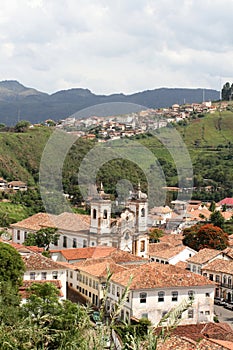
(211, 131)
(16, 212)
(20, 154)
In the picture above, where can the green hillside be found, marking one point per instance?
(212, 131)
(20, 154)
(209, 140)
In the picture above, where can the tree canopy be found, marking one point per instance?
(227, 91)
(43, 238)
(11, 264)
(217, 219)
(205, 236)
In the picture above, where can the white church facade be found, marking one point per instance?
(127, 232)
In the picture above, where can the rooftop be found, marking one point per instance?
(64, 221)
(35, 262)
(204, 255)
(220, 265)
(155, 275)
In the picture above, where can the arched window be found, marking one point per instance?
(94, 213)
(74, 242)
(224, 280)
(143, 212)
(105, 215)
(64, 242)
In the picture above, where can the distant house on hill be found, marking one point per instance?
(3, 184)
(17, 185)
(227, 202)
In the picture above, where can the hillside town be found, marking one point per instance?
(131, 124)
(161, 274)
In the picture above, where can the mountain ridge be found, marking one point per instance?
(19, 102)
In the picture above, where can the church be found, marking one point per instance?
(127, 232)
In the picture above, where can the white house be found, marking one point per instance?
(157, 288)
(198, 261)
(41, 269)
(221, 271)
(159, 252)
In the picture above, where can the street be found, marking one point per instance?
(224, 315)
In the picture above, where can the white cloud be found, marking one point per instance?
(116, 46)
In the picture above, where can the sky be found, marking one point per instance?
(112, 46)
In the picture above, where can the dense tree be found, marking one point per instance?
(155, 235)
(212, 206)
(43, 238)
(11, 264)
(227, 91)
(217, 219)
(22, 126)
(205, 236)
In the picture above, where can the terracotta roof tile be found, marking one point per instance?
(220, 331)
(204, 255)
(155, 275)
(220, 265)
(100, 269)
(35, 262)
(170, 252)
(64, 221)
(36, 222)
(85, 253)
(172, 239)
(227, 201)
(157, 247)
(72, 222)
(229, 252)
(182, 264)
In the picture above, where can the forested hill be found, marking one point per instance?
(209, 140)
(18, 102)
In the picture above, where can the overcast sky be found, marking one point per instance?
(116, 45)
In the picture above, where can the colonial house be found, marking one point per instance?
(87, 277)
(128, 232)
(156, 289)
(197, 262)
(221, 271)
(41, 269)
(163, 254)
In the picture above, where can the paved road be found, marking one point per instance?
(224, 315)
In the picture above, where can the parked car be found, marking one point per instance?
(218, 301)
(229, 305)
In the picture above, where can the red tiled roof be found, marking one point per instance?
(36, 222)
(64, 221)
(169, 252)
(204, 255)
(35, 262)
(221, 331)
(227, 201)
(85, 253)
(155, 275)
(173, 239)
(220, 265)
(100, 269)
